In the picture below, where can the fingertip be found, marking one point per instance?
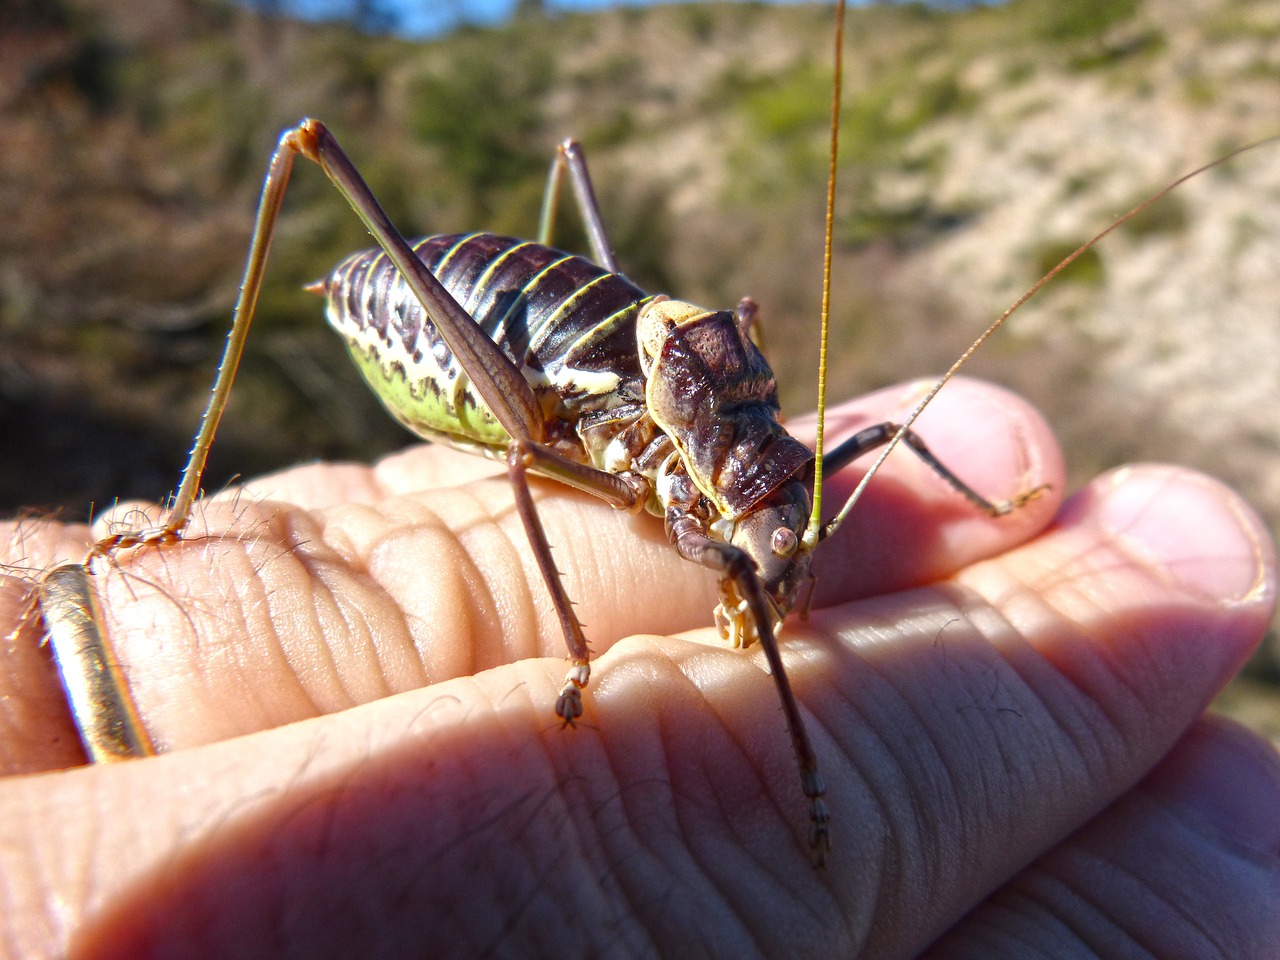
(1149, 592)
(1195, 530)
(1159, 537)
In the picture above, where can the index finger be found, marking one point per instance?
(270, 612)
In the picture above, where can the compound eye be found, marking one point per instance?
(784, 541)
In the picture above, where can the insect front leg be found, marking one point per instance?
(872, 438)
(693, 543)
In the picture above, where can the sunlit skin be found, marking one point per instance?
(989, 699)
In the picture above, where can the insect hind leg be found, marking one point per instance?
(571, 158)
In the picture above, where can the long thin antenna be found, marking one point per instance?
(813, 531)
(999, 321)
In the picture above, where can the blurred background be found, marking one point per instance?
(981, 142)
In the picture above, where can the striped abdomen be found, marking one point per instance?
(564, 321)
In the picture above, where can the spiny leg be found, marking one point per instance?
(620, 492)
(505, 390)
(693, 543)
(570, 157)
(864, 441)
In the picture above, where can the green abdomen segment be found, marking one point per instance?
(566, 323)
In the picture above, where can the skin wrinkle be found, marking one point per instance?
(529, 805)
(1102, 907)
(1068, 624)
(1028, 949)
(1114, 726)
(416, 637)
(365, 643)
(516, 609)
(323, 560)
(923, 793)
(825, 744)
(651, 906)
(874, 763)
(1005, 650)
(1148, 891)
(857, 779)
(786, 799)
(561, 804)
(246, 615)
(226, 613)
(741, 754)
(329, 803)
(453, 537)
(381, 650)
(534, 610)
(1200, 835)
(983, 716)
(624, 790)
(318, 591)
(1083, 758)
(910, 703)
(1115, 929)
(701, 858)
(1047, 894)
(687, 837)
(387, 641)
(516, 910)
(1011, 651)
(743, 917)
(602, 893)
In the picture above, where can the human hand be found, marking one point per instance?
(987, 740)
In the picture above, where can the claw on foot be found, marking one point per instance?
(1005, 507)
(145, 537)
(569, 703)
(819, 832)
(819, 816)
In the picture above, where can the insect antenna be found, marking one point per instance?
(813, 531)
(996, 324)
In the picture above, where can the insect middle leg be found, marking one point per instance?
(624, 492)
(628, 491)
